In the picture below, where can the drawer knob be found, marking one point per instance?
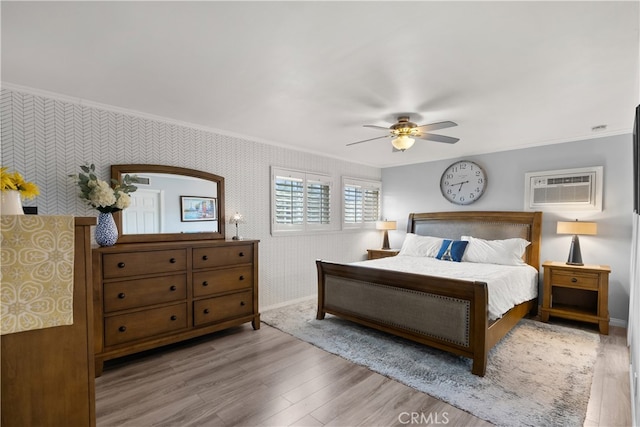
(121, 295)
(242, 303)
(205, 283)
(122, 328)
(174, 317)
(241, 254)
(241, 278)
(204, 257)
(172, 260)
(574, 280)
(206, 311)
(173, 288)
(121, 265)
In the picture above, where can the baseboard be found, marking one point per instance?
(290, 302)
(618, 322)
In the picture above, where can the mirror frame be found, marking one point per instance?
(118, 170)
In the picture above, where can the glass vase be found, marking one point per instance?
(106, 233)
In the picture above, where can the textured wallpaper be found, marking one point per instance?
(46, 138)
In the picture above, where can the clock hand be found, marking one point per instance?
(460, 184)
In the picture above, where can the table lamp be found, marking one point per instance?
(386, 226)
(236, 219)
(576, 227)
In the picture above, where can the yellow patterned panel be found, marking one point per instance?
(36, 272)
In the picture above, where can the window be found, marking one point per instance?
(361, 203)
(301, 201)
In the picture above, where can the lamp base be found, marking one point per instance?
(575, 257)
(385, 240)
(236, 238)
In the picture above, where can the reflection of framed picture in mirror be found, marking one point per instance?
(194, 208)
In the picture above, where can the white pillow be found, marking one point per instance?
(505, 252)
(425, 246)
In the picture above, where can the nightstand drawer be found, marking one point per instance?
(381, 253)
(581, 280)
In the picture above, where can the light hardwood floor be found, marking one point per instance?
(242, 377)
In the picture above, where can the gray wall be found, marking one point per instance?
(415, 188)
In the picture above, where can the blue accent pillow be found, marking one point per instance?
(452, 250)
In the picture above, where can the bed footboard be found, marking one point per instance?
(444, 313)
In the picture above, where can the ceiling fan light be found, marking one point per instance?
(403, 142)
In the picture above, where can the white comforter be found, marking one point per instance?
(507, 285)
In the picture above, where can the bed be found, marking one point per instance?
(450, 314)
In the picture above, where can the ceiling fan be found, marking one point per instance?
(404, 133)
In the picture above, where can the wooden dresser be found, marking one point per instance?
(47, 374)
(151, 294)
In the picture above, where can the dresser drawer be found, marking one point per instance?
(222, 256)
(581, 280)
(137, 263)
(224, 280)
(222, 308)
(142, 292)
(142, 324)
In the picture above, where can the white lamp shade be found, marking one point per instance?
(236, 218)
(577, 227)
(385, 225)
(403, 142)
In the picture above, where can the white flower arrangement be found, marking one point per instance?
(100, 195)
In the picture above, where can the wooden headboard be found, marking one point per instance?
(490, 225)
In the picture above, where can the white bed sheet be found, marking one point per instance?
(507, 285)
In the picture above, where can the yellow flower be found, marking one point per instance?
(15, 181)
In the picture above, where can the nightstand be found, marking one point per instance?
(381, 253)
(577, 293)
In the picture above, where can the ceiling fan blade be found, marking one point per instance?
(436, 126)
(377, 127)
(367, 140)
(437, 138)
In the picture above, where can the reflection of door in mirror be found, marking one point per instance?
(143, 216)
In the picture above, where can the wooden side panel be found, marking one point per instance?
(48, 374)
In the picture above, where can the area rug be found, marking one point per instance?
(538, 375)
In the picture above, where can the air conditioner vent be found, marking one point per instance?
(568, 189)
(569, 179)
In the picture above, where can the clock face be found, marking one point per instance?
(463, 182)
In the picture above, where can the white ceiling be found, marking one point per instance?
(309, 74)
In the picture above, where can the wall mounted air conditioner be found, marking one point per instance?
(567, 189)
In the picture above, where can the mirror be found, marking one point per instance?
(171, 203)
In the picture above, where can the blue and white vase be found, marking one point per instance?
(106, 233)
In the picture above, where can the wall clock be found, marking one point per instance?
(463, 182)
